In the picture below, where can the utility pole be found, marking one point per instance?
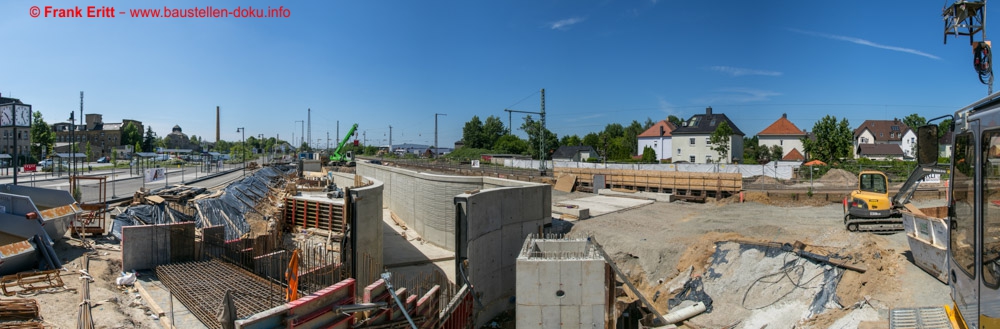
(243, 155)
(390, 139)
(337, 135)
(301, 131)
(541, 134)
(541, 138)
(328, 142)
(310, 124)
(436, 132)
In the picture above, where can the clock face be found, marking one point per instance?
(22, 116)
(6, 116)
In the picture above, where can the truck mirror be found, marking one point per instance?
(927, 145)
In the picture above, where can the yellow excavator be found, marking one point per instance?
(869, 208)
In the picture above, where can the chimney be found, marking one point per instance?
(661, 130)
(708, 111)
(784, 115)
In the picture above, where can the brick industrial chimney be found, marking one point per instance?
(216, 125)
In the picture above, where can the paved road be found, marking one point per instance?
(124, 184)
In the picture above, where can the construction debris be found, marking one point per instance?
(18, 309)
(28, 282)
(565, 183)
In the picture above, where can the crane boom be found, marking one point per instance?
(337, 156)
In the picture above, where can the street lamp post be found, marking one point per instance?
(72, 157)
(243, 154)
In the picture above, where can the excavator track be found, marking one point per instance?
(887, 225)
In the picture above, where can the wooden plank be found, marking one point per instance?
(565, 183)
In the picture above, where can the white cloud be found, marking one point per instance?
(864, 42)
(566, 23)
(738, 95)
(737, 71)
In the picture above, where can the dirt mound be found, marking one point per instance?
(767, 180)
(839, 177)
(758, 197)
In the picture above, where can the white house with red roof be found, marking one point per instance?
(785, 134)
(658, 138)
(890, 132)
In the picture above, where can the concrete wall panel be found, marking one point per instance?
(368, 216)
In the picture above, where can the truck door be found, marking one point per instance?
(962, 269)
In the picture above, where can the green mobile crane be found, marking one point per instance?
(340, 159)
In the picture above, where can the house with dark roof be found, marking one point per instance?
(893, 132)
(880, 151)
(691, 139)
(658, 138)
(944, 145)
(783, 133)
(574, 153)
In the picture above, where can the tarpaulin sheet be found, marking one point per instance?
(238, 199)
(138, 215)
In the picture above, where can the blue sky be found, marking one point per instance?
(381, 63)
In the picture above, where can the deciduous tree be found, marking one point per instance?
(720, 139)
(42, 137)
(833, 140)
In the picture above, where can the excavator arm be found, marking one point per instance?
(337, 155)
(906, 191)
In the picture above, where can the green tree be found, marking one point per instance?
(570, 140)
(510, 144)
(537, 134)
(90, 152)
(138, 147)
(149, 142)
(943, 127)
(492, 130)
(751, 150)
(42, 138)
(631, 135)
(675, 120)
(646, 125)
(131, 134)
(720, 141)
(648, 155)
(472, 133)
(302, 148)
(833, 140)
(593, 140)
(776, 152)
(239, 152)
(914, 121)
(223, 146)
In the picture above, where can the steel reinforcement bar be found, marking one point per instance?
(201, 287)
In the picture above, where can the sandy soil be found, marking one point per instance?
(114, 307)
(655, 243)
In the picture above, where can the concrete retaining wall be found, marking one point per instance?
(423, 201)
(367, 216)
(147, 246)
(496, 222)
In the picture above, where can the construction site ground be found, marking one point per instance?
(655, 243)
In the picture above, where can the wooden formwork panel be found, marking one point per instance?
(313, 214)
(661, 180)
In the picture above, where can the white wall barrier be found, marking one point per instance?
(780, 170)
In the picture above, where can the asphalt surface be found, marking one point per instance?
(124, 184)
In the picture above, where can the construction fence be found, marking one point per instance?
(681, 183)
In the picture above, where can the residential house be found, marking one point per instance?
(785, 134)
(574, 153)
(944, 145)
(884, 132)
(657, 137)
(881, 151)
(691, 139)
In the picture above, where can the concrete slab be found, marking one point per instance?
(600, 205)
(659, 197)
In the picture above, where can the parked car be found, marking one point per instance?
(45, 163)
(161, 157)
(103, 160)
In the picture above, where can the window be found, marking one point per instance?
(881, 134)
(708, 140)
(962, 230)
(692, 141)
(781, 142)
(678, 151)
(692, 159)
(708, 159)
(872, 183)
(991, 214)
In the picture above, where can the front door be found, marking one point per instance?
(962, 269)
